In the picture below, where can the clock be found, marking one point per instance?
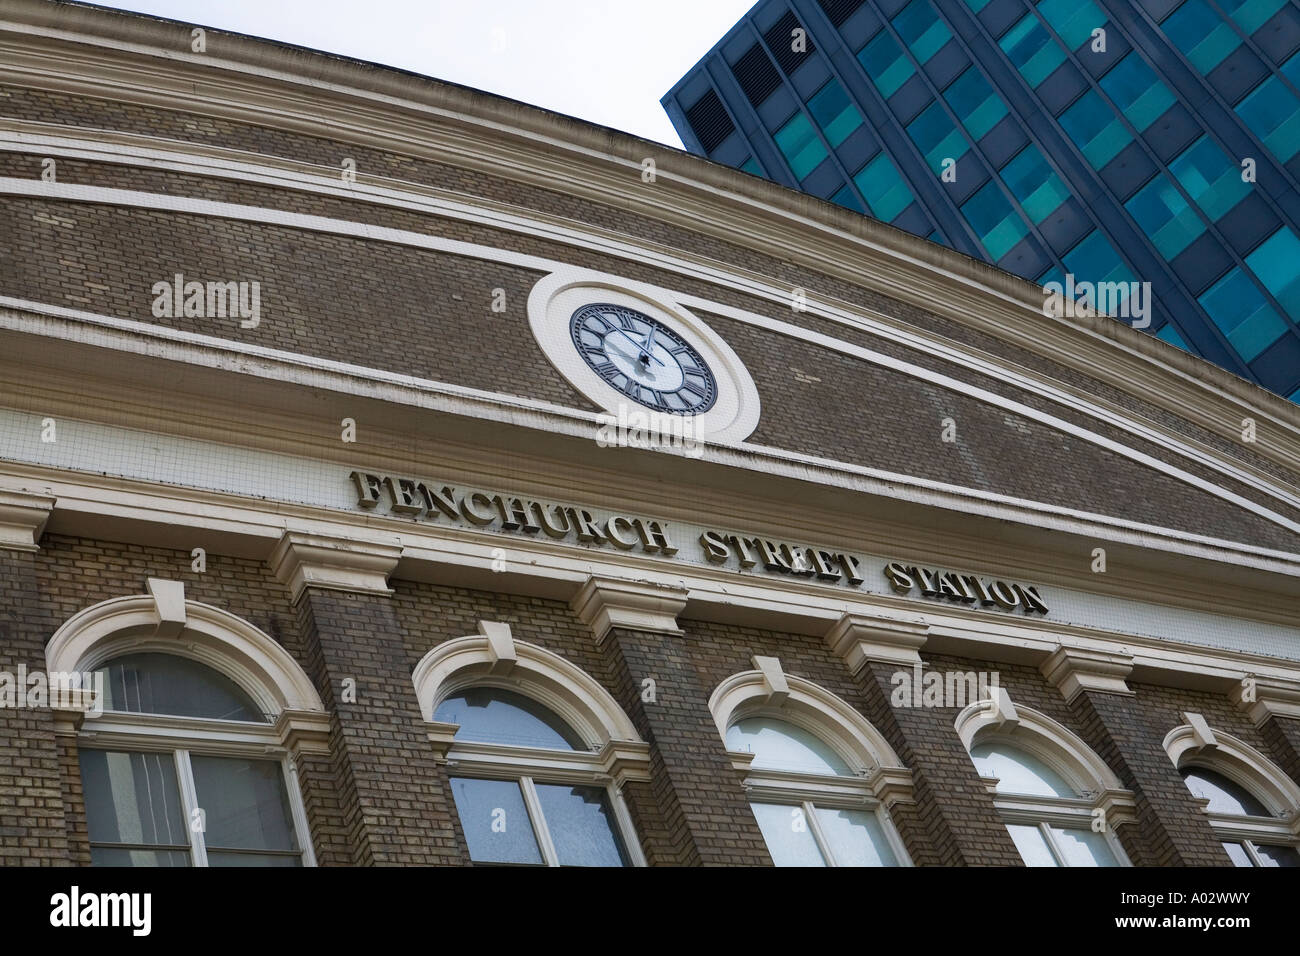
(634, 349)
(643, 358)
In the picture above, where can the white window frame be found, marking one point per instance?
(121, 731)
(1022, 728)
(878, 781)
(532, 765)
(811, 791)
(1196, 745)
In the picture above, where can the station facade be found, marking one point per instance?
(393, 474)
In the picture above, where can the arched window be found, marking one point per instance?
(1059, 801)
(155, 800)
(819, 776)
(1252, 804)
(186, 741)
(537, 753)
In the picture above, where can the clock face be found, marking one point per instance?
(643, 359)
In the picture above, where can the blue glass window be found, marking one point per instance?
(751, 166)
(1200, 34)
(834, 113)
(1033, 182)
(846, 198)
(885, 63)
(1095, 260)
(1291, 70)
(938, 237)
(1170, 335)
(496, 715)
(975, 103)
(1165, 216)
(1273, 114)
(936, 136)
(977, 5)
(921, 29)
(883, 188)
(1295, 396)
(800, 144)
(1241, 312)
(1134, 88)
(997, 224)
(1276, 263)
(1032, 50)
(1252, 14)
(1073, 20)
(1095, 129)
(1212, 180)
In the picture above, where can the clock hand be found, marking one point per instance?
(649, 346)
(640, 350)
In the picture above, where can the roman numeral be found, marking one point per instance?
(606, 369)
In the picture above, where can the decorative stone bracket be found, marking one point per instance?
(305, 559)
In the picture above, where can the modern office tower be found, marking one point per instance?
(1112, 140)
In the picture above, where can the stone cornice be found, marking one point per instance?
(1265, 697)
(1073, 670)
(859, 638)
(23, 515)
(606, 603)
(304, 559)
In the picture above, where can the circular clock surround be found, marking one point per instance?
(716, 390)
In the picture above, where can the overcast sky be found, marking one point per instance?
(607, 61)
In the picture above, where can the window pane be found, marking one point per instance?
(1212, 180)
(1135, 89)
(1033, 52)
(1164, 215)
(837, 117)
(1252, 14)
(1073, 20)
(119, 856)
(167, 684)
(934, 133)
(133, 798)
(789, 840)
(1039, 190)
(921, 29)
(1277, 855)
(1238, 855)
(1273, 114)
(1200, 34)
(245, 805)
(1095, 260)
(845, 197)
(975, 103)
(495, 821)
(1276, 263)
(856, 837)
(998, 226)
(1018, 771)
(498, 716)
(800, 145)
(1031, 844)
(1083, 847)
(1240, 310)
(1095, 129)
(1225, 796)
(581, 825)
(883, 188)
(780, 745)
(885, 63)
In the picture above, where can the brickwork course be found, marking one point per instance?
(376, 787)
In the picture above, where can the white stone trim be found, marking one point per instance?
(217, 638)
(1239, 761)
(1053, 743)
(537, 673)
(811, 707)
(604, 603)
(303, 560)
(23, 516)
(1073, 671)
